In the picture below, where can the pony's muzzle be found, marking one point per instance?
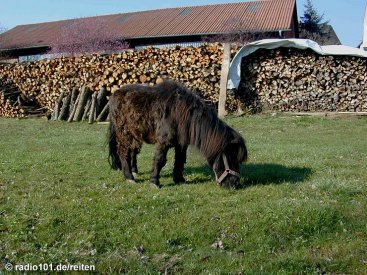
(230, 182)
(229, 178)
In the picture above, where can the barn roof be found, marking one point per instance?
(256, 16)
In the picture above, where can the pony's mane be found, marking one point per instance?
(198, 123)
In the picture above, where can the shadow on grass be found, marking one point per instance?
(254, 174)
(251, 174)
(270, 173)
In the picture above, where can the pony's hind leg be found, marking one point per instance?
(126, 166)
(160, 159)
(180, 160)
(134, 166)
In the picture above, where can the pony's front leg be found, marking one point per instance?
(160, 159)
(180, 160)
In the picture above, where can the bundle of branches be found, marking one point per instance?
(81, 105)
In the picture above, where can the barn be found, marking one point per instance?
(171, 26)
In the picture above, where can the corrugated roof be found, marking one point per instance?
(263, 15)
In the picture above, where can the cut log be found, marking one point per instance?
(87, 108)
(73, 111)
(103, 115)
(84, 94)
(101, 100)
(57, 108)
(74, 96)
(64, 112)
(92, 112)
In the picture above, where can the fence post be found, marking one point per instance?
(224, 79)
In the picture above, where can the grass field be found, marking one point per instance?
(302, 208)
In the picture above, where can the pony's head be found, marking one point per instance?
(226, 165)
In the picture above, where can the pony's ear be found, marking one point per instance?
(242, 153)
(236, 140)
(238, 144)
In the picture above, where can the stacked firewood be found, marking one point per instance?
(280, 79)
(44, 81)
(8, 106)
(15, 104)
(300, 80)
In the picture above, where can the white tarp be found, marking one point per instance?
(234, 76)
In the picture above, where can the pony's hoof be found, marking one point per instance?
(179, 180)
(131, 181)
(156, 184)
(135, 174)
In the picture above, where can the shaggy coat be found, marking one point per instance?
(169, 115)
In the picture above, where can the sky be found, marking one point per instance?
(346, 16)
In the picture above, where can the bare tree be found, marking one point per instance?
(87, 35)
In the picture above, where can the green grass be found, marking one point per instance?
(302, 208)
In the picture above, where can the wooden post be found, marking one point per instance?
(224, 79)
(92, 112)
(104, 113)
(57, 107)
(83, 98)
(73, 101)
(65, 109)
(101, 100)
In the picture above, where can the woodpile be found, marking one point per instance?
(280, 80)
(15, 104)
(45, 81)
(300, 80)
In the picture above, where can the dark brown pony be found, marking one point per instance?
(170, 116)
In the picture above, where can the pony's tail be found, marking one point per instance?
(113, 157)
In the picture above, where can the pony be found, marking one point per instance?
(169, 115)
